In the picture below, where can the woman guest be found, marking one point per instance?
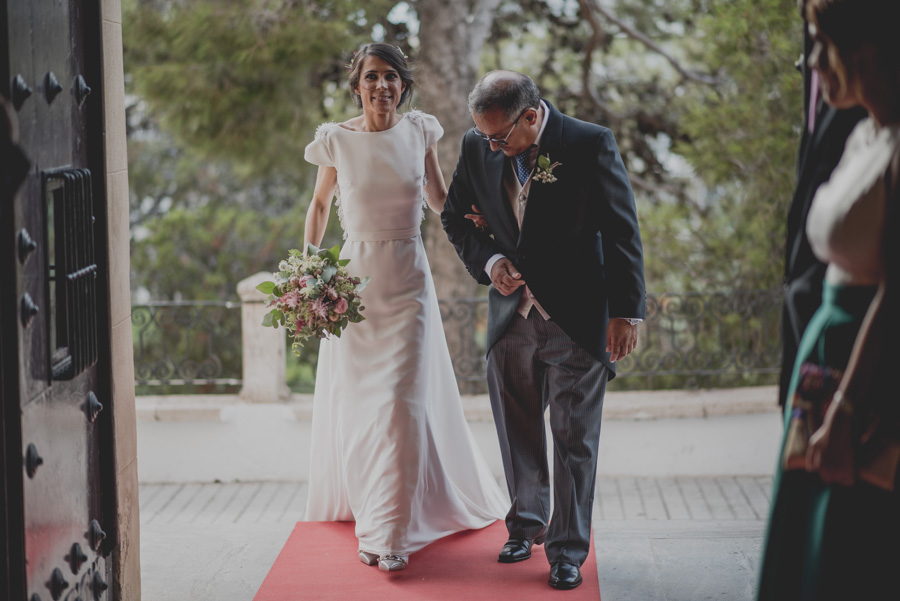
(834, 529)
(390, 445)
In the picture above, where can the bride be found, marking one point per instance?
(391, 449)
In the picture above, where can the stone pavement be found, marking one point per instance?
(682, 492)
(672, 538)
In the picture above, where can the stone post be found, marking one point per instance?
(265, 380)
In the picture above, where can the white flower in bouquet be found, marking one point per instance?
(313, 295)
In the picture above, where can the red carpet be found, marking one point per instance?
(319, 562)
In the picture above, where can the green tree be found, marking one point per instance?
(197, 227)
(705, 104)
(244, 81)
(700, 94)
(741, 139)
(225, 96)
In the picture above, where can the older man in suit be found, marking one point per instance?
(561, 250)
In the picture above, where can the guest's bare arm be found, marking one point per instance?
(436, 188)
(320, 207)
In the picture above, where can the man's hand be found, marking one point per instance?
(477, 218)
(505, 277)
(621, 338)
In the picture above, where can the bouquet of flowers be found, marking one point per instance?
(313, 295)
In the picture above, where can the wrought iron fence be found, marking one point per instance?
(702, 340)
(187, 343)
(690, 340)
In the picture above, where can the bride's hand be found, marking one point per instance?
(830, 451)
(478, 219)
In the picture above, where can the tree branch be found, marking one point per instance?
(587, 65)
(589, 5)
(653, 188)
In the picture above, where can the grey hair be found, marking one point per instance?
(509, 91)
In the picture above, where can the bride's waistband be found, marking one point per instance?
(383, 236)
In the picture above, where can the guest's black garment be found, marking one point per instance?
(803, 273)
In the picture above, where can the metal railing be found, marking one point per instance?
(187, 343)
(703, 340)
(689, 340)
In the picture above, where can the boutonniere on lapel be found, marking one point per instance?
(543, 172)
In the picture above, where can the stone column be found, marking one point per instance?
(264, 376)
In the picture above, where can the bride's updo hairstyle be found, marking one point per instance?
(389, 54)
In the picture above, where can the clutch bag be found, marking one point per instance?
(815, 387)
(876, 452)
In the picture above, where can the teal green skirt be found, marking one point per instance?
(828, 542)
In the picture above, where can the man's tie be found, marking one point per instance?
(522, 170)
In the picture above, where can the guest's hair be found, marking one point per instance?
(850, 24)
(389, 54)
(509, 91)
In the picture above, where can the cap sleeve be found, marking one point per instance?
(319, 151)
(432, 129)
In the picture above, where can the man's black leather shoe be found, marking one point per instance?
(564, 576)
(517, 549)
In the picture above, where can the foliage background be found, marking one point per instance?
(223, 96)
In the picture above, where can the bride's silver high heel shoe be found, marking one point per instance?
(370, 559)
(392, 563)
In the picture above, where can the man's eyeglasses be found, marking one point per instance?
(497, 141)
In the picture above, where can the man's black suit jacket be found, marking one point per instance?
(820, 152)
(579, 249)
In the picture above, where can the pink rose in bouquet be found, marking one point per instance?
(313, 295)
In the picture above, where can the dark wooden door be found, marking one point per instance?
(54, 307)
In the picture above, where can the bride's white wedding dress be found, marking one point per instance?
(390, 446)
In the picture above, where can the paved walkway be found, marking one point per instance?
(223, 483)
(657, 539)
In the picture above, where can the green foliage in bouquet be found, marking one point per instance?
(313, 295)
